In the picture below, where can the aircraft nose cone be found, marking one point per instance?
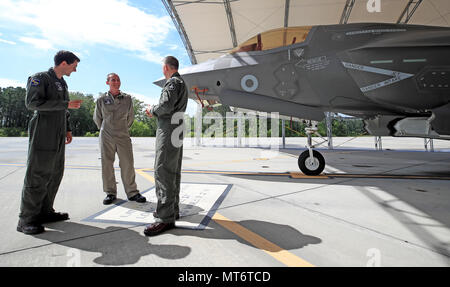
(160, 82)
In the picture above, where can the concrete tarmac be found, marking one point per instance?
(370, 208)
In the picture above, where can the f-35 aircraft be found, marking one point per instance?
(395, 77)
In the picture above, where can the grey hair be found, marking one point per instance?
(172, 62)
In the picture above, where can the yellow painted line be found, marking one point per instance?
(256, 240)
(270, 248)
(301, 175)
(145, 175)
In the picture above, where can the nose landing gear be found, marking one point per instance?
(311, 165)
(311, 162)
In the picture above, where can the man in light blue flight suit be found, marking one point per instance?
(169, 147)
(49, 131)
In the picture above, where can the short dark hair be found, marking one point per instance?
(110, 75)
(171, 61)
(67, 56)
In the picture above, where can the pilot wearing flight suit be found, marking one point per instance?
(114, 116)
(169, 147)
(49, 130)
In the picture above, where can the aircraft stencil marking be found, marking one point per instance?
(299, 52)
(314, 64)
(396, 76)
(375, 31)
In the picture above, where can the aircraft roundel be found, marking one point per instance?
(249, 83)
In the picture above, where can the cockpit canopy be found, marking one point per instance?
(274, 39)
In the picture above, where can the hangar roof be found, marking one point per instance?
(210, 28)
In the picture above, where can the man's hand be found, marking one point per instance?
(147, 111)
(75, 104)
(68, 137)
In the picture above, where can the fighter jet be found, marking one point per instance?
(395, 77)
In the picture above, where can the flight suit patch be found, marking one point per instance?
(59, 86)
(35, 82)
(171, 87)
(107, 101)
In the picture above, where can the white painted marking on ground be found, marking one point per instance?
(196, 201)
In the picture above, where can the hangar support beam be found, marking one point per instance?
(286, 13)
(180, 28)
(347, 11)
(407, 13)
(230, 22)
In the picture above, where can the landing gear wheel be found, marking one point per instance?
(311, 166)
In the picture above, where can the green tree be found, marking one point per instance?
(81, 119)
(13, 112)
(139, 109)
(140, 129)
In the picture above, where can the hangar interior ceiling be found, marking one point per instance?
(210, 28)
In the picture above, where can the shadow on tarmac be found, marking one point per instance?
(117, 245)
(283, 236)
(123, 246)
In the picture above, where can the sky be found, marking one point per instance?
(127, 37)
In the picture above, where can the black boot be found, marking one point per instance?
(54, 217)
(138, 198)
(109, 199)
(30, 228)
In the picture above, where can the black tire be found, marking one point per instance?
(305, 168)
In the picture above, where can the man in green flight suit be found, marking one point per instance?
(49, 130)
(169, 147)
(114, 115)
